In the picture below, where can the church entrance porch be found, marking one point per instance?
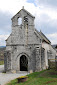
(23, 63)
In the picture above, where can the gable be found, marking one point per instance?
(21, 14)
(25, 32)
(24, 11)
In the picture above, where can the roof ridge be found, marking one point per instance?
(28, 13)
(44, 36)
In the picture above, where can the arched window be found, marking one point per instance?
(19, 21)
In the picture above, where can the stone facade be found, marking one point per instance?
(25, 40)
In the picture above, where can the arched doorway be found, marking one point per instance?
(23, 63)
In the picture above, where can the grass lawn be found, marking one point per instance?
(46, 77)
(1, 62)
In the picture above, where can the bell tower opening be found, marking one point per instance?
(19, 21)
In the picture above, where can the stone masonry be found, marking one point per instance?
(24, 41)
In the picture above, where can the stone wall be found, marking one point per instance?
(7, 60)
(43, 65)
(38, 59)
(25, 40)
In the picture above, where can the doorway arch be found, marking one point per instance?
(23, 63)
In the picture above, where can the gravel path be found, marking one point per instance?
(6, 77)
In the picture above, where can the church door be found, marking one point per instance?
(23, 63)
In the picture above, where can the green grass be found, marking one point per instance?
(1, 62)
(46, 77)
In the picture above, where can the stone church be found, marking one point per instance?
(27, 49)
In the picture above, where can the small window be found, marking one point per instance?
(19, 21)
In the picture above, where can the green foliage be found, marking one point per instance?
(46, 77)
(51, 64)
(1, 62)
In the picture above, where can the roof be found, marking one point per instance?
(44, 37)
(37, 33)
(25, 11)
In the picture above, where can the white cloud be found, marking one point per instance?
(48, 3)
(51, 13)
(53, 38)
(13, 6)
(45, 6)
(2, 39)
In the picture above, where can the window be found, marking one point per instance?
(19, 21)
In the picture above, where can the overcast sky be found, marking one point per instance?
(45, 12)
